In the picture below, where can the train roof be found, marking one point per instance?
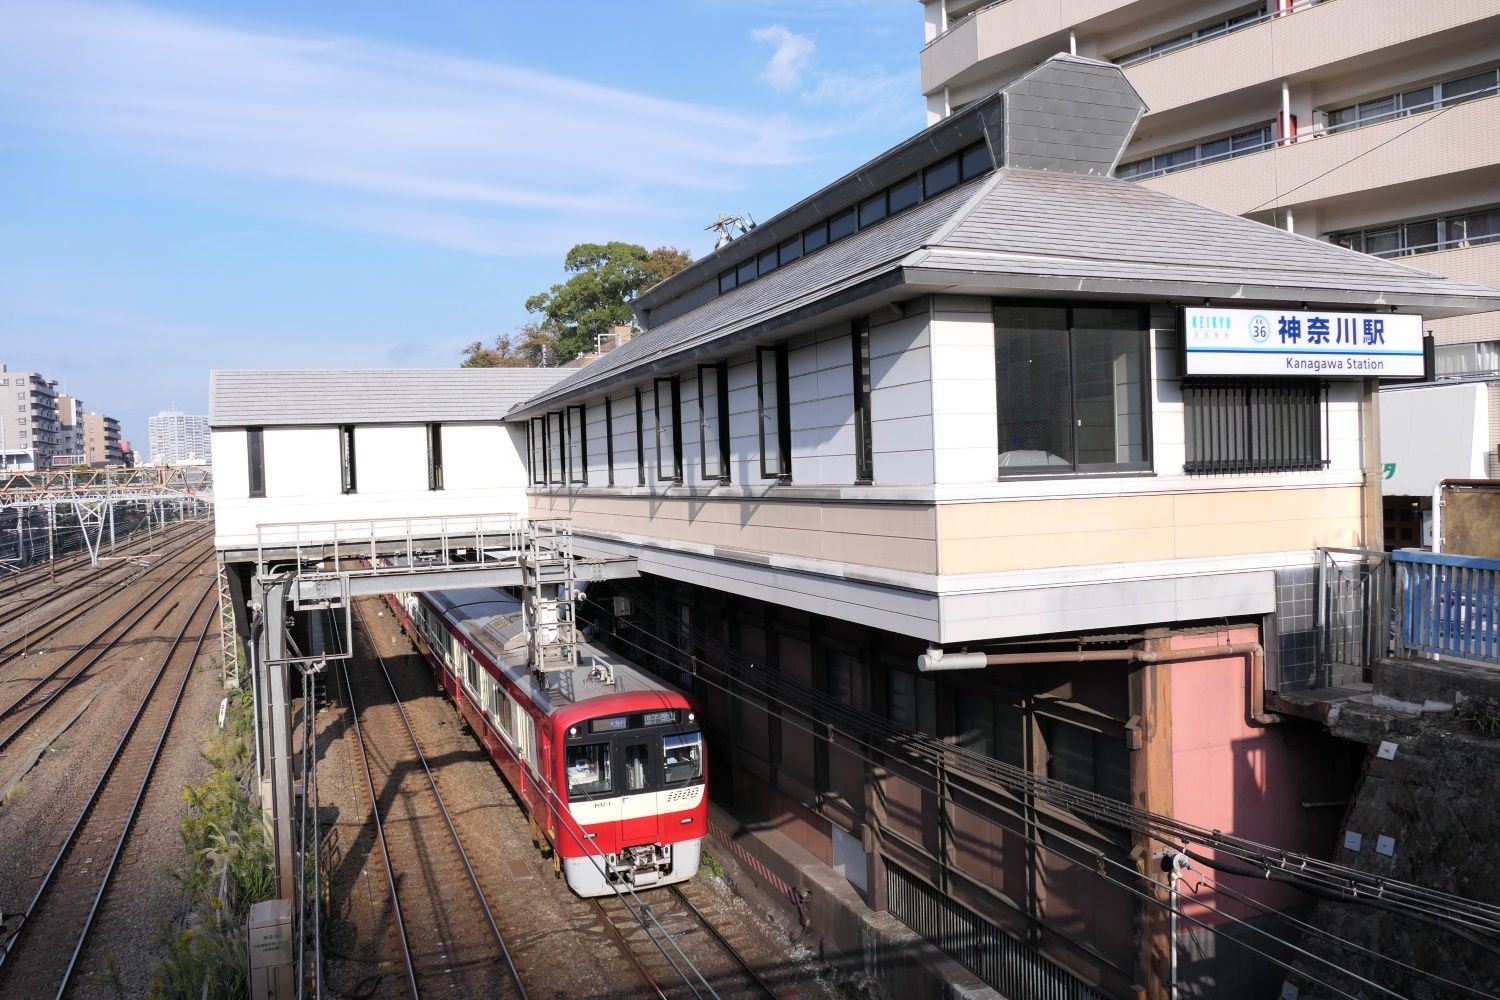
(491, 619)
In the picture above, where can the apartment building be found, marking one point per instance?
(101, 440)
(70, 416)
(1367, 123)
(179, 437)
(30, 431)
(980, 480)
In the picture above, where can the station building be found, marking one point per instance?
(951, 411)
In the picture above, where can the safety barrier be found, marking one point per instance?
(1450, 604)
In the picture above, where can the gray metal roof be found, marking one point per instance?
(1032, 232)
(263, 398)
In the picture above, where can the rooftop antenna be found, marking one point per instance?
(725, 226)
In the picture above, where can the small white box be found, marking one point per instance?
(1353, 841)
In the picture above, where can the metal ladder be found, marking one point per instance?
(549, 595)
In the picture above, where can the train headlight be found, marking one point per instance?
(692, 717)
(572, 730)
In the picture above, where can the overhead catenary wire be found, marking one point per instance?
(804, 707)
(1351, 884)
(1100, 860)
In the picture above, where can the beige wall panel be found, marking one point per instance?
(884, 536)
(1040, 534)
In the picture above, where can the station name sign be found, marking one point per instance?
(1301, 342)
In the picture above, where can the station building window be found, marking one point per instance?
(1087, 758)
(668, 413)
(536, 431)
(347, 473)
(434, 456)
(578, 446)
(713, 421)
(1271, 425)
(255, 451)
(640, 439)
(609, 441)
(1072, 385)
(864, 457)
(773, 414)
(911, 701)
(557, 455)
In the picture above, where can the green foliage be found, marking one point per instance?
(606, 277)
(226, 867)
(533, 346)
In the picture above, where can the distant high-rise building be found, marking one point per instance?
(70, 417)
(30, 433)
(101, 440)
(179, 437)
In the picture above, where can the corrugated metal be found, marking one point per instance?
(1007, 964)
(266, 398)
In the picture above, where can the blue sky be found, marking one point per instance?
(197, 185)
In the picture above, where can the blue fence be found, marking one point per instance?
(1450, 605)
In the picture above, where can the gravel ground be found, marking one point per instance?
(556, 939)
(45, 798)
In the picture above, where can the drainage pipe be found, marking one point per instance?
(936, 659)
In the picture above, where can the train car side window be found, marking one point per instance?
(683, 756)
(637, 767)
(588, 771)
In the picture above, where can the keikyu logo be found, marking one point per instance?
(1260, 329)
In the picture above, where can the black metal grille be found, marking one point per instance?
(1005, 963)
(1272, 426)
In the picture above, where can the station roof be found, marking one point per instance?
(1036, 233)
(268, 398)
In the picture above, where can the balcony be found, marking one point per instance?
(1297, 46)
(1433, 144)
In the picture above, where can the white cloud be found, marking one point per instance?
(407, 131)
(790, 59)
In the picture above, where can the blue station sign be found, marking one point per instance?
(1301, 342)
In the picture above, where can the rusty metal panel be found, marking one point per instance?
(1471, 517)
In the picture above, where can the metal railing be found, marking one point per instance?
(397, 544)
(1450, 605)
(1354, 624)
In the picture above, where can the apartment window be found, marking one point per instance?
(713, 421)
(578, 446)
(668, 431)
(640, 439)
(1241, 143)
(864, 456)
(557, 453)
(773, 417)
(1411, 102)
(1273, 425)
(1234, 22)
(255, 450)
(609, 441)
(1402, 239)
(1072, 386)
(434, 456)
(348, 476)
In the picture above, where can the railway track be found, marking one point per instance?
(446, 933)
(41, 957)
(75, 563)
(38, 633)
(17, 716)
(678, 949)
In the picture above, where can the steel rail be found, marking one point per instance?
(28, 918)
(140, 608)
(385, 854)
(43, 630)
(47, 570)
(635, 960)
(437, 795)
(755, 976)
(140, 795)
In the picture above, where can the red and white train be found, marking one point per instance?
(607, 760)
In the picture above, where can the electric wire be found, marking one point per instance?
(1101, 859)
(997, 805)
(640, 911)
(1339, 878)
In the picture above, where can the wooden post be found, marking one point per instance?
(1150, 735)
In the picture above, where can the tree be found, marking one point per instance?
(534, 345)
(606, 277)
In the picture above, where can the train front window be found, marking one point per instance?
(637, 764)
(683, 756)
(588, 771)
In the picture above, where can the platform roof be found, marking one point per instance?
(268, 398)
